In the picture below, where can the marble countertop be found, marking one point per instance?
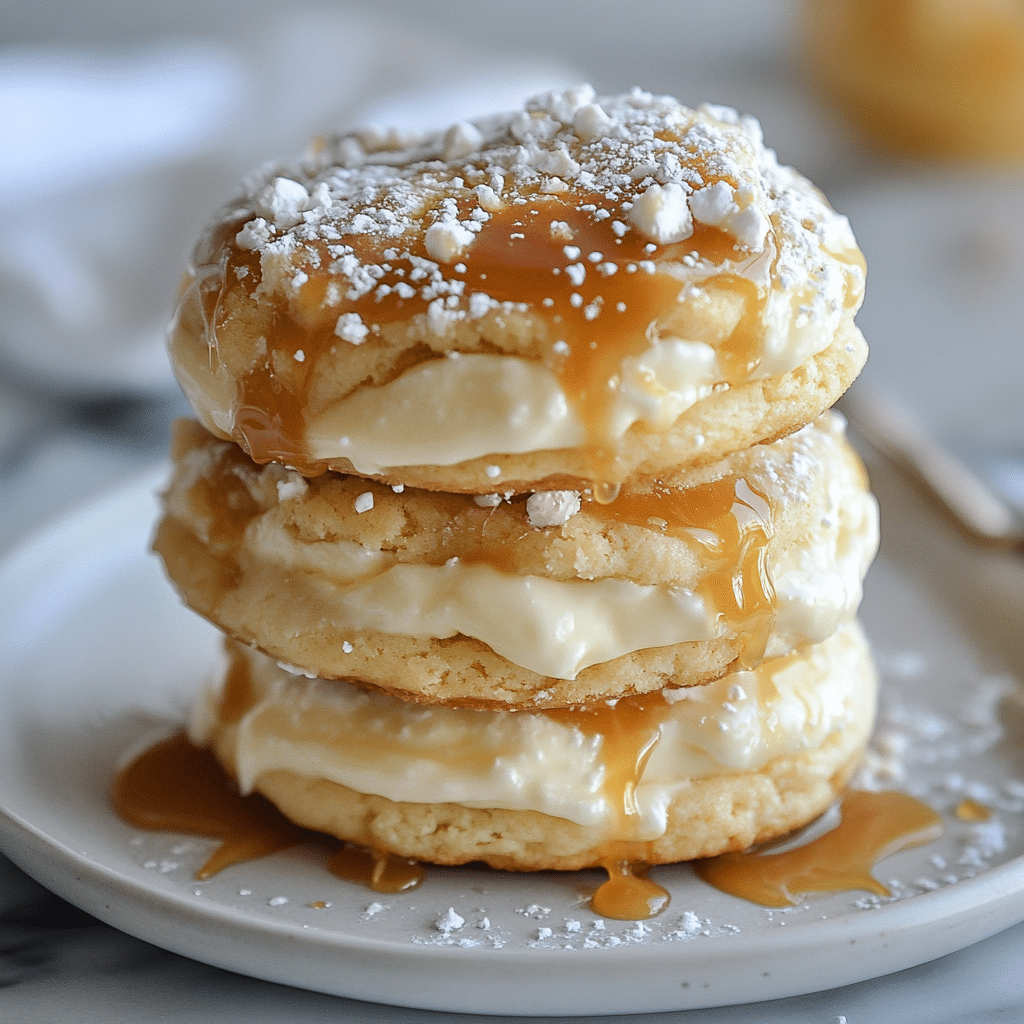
(60, 447)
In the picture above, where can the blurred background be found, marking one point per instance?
(125, 124)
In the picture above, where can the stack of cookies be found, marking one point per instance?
(514, 489)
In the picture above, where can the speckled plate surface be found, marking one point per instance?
(97, 656)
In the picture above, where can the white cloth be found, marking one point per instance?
(113, 160)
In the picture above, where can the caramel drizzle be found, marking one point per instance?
(874, 826)
(630, 729)
(613, 313)
(733, 523)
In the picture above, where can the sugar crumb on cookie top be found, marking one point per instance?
(651, 165)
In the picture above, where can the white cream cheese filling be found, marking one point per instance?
(553, 627)
(446, 411)
(374, 743)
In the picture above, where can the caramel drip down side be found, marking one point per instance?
(630, 730)
(733, 524)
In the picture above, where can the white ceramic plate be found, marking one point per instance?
(97, 655)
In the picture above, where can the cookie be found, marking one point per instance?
(543, 600)
(581, 291)
(749, 757)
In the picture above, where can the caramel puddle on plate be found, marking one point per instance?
(873, 826)
(382, 872)
(174, 786)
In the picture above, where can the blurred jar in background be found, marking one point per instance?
(932, 78)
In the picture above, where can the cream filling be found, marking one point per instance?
(553, 627)
(374, 743)
(559, 627)
(446, 411)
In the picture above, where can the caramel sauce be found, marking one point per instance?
(629, 895)
(237, 695)
(630, 729)
(738, 353)
(270, 419)
(971, 810)
(874, 826)
(382, 872)
(600, 320)
(174, 786)
(733, 523)
(617, 298)
(605, 493)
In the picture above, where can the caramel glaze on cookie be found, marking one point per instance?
(652, 778)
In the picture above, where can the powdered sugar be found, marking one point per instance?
(552, 508)
(735, 210)
(446, 240)
(351, 328)
(652, 164)
(662, 213)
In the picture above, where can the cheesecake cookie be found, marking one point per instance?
(582, 290)
(741, 760)
(547, 599)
